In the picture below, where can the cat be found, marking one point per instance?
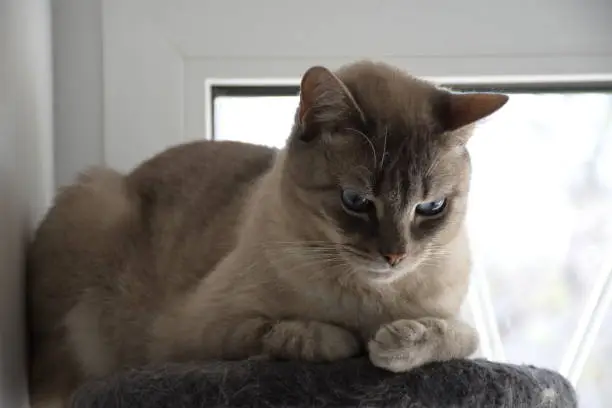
(350, 240)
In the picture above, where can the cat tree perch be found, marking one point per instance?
(349, 383)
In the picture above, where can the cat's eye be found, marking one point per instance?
(431, 208)
(355, 202)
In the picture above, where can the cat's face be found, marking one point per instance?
(381, 166)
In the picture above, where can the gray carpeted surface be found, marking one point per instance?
(350, 383)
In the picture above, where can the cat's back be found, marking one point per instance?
(208, 173)
(192, 197)
(177, 211)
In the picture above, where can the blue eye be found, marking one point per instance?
(355, 202)
(431, 208)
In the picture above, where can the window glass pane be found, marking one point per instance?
(467, 315)
(539, 216)
(264, 120)
(595, 385)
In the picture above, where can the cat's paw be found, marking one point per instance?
(403, 345)
(310, 341)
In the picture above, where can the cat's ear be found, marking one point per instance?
(462, 109)
(324, 101)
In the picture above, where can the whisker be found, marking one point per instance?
(360, 133)
(384, 154)
(312, 264)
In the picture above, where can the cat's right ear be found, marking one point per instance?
(464, 108)
(324, 102)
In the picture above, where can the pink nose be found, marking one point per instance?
(394, 259)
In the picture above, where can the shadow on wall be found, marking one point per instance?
(26, 170)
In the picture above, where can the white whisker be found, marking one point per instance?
(360, 133)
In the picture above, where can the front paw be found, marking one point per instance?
(403, 345)
(310, 341)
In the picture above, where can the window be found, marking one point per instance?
(540, 221)
(261, 115)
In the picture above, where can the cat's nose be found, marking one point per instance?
(394, 259)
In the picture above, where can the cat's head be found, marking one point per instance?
(377, 163)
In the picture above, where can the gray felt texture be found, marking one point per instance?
(349, 383)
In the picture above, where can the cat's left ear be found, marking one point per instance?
(324, 102)
(462, 109)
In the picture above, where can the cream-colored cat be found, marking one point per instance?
(349, 240)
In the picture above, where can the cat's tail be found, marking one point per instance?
(88, 227)
(103, 197)
(96, 210)
(80, 243)
(94, 217)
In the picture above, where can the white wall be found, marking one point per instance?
(77, 70)
(26, 171)
(156, 55)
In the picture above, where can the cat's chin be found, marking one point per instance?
(383, 275)
(378, 272)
